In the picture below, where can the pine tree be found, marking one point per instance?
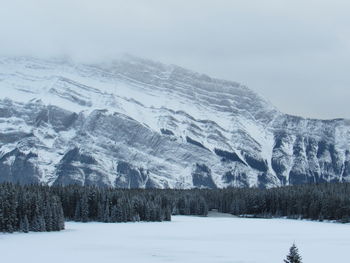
(84, 207)
(119, 212)
(35, 224)
(106, 216)
(24, 224)
(167, 214)
(113, 217)
(77, 212)
(60, 218)
(42, 224)
(293, 256)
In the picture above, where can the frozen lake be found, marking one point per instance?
(185, 239)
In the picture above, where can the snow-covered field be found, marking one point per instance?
(185, 239)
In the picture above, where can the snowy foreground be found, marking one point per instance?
(185, 239)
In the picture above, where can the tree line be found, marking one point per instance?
(43, 208)
(326, 201)
(111, 205)
(29, 208)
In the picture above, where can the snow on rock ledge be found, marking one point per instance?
(137, 123)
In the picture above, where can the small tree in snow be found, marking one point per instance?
(293, 256)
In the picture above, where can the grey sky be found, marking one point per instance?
(295, 53)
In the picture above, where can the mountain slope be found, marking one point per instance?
(137, 123)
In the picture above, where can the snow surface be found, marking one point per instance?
(185, 239)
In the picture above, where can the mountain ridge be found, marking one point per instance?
(137, 123)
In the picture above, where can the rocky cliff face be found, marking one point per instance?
(137, 123)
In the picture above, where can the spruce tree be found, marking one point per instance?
(84, 207)
(24, 224)
(106, 216)
(293, 256)
(114, 212)
(77, 212)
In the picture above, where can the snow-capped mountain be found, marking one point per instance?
(137, 123)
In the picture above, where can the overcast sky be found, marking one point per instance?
(295, 53)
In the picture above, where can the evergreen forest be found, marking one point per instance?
(39, 208)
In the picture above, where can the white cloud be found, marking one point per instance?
(295, 53)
